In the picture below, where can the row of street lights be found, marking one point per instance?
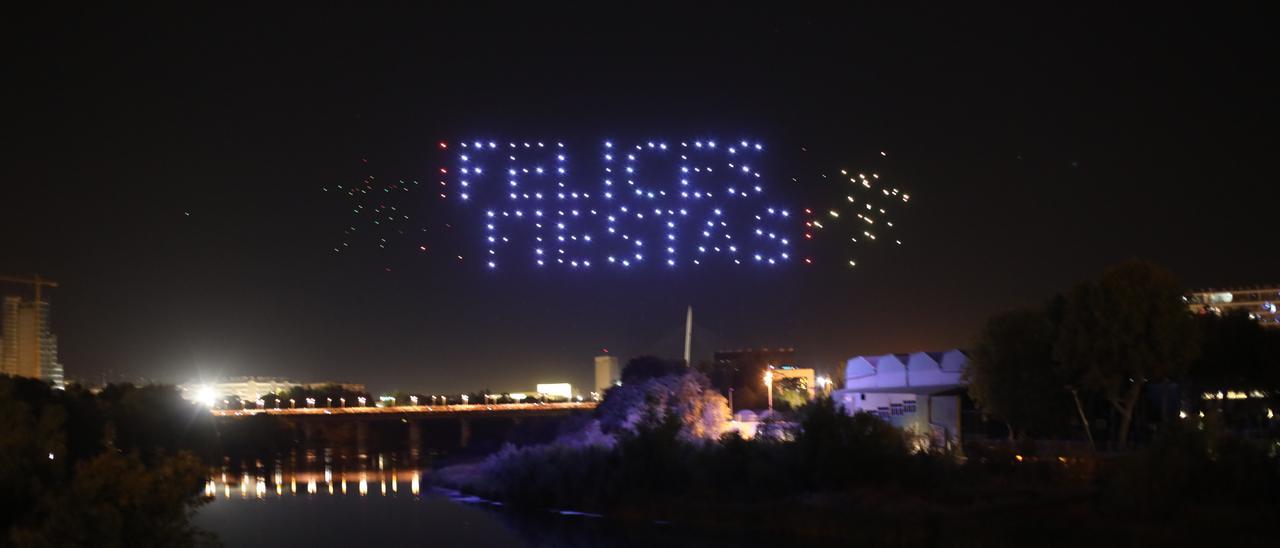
(206, 395)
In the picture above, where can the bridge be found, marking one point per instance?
(354, 423)
(425, 410)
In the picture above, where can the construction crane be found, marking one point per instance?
(36, 282)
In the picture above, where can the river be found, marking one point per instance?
(326, 498)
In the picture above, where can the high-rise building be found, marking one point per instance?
(608, 373)
(1259, 302)
(19, 348)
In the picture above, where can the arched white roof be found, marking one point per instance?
(919, 369)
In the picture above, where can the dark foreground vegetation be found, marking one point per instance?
(119, 468)
(857, 478)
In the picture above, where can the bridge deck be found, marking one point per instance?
(478, 409)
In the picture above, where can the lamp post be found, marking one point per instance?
(768, 385)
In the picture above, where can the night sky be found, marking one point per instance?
(167, 169)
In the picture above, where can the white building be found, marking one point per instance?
(249, 389)
(920, 392)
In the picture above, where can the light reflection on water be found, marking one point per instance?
(320, 472)
(334, 498)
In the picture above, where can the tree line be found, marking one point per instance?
(1094, 350)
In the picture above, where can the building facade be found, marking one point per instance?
(249, 389)
(22, 333)
(1259, 302)
(922, 392)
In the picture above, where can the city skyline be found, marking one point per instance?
(171, 178)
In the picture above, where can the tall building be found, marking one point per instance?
(1259, 302)
(608, 373)
(18, 349)
(739, 374)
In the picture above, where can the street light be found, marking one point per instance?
(768, 385)
(825, 383)
(207, 396)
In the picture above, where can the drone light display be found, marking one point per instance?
(680, 204)
(624, 205)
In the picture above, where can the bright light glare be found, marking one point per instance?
(206, 395)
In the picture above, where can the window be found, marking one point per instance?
(909, 406)
(895, 409)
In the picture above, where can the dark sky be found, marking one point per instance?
(1039, 147)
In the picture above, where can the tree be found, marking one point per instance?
(1011, 375)
(686, 396)
(78, 469)
(1126, 329)
(790, 392)
(115, 499)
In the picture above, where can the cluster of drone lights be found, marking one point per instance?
(369, 199)
(868, 213)
(708, 203)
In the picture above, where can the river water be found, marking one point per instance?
(326, 498)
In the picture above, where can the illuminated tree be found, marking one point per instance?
(687, 396)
